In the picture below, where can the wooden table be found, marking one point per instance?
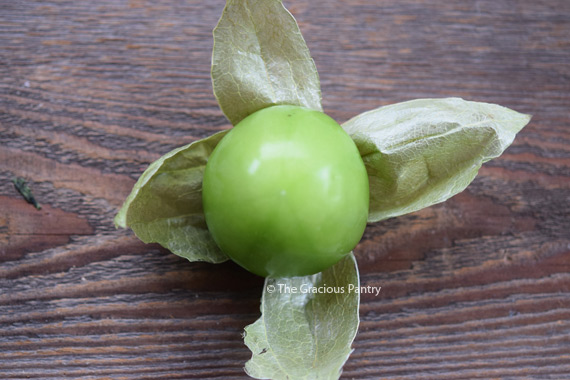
(92, 91)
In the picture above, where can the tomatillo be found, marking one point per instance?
(285, 192)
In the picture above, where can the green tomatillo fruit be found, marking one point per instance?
(285, 192)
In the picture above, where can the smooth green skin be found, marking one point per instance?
(285, 192)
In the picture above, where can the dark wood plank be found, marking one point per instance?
(91, 92)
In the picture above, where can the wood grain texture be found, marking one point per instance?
(91, 92)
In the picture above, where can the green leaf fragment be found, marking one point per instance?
(260, 59)
(23, 188)
(165, 205)
(301, 334)
(422, 152)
